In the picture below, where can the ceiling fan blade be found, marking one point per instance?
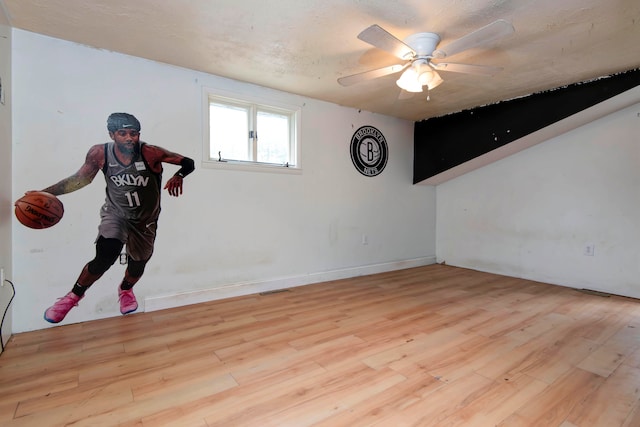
(379, 37)
(493, 31)
(483, 70)
(372, 74)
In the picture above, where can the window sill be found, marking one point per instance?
(251, 167)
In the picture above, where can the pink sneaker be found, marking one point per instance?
(59, 310)
(128, 301)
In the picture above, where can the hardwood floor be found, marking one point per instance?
(429, 346)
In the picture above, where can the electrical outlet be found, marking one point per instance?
(590, 249)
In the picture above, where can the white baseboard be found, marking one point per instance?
(248, 288)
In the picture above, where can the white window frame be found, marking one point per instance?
(262, 104)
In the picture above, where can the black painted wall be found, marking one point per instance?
(441, 143)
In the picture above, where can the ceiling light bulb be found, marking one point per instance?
(428, 77)
(425, 77)
(409, 81)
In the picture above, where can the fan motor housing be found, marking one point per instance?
(423, 43)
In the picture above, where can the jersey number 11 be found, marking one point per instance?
(133, 199)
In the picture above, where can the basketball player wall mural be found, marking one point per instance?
(133, 176)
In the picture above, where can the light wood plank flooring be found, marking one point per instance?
(428, 346)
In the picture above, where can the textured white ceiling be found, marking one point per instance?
(303, 46)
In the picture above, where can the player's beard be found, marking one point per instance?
(126, 148)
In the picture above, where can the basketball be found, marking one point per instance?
(38, 210)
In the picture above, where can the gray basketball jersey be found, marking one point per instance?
(133, 191)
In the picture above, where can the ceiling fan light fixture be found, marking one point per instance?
(427, 76)
(419, 74)
(409, 80)
(434, 80)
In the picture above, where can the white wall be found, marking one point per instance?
(6, 205)
(532, 214)
(231, 232)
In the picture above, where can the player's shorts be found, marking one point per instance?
(138, 236)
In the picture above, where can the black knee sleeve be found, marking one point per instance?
(136, 268)
(107, 252)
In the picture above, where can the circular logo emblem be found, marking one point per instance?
(369, 151)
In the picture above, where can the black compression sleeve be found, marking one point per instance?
(188, 166)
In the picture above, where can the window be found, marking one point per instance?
(247, 132)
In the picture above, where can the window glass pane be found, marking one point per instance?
(229, 132)
(273, 137)
(245, 132)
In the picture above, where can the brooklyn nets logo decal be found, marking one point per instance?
(369, 151)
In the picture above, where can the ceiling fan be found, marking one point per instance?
(419, 52)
